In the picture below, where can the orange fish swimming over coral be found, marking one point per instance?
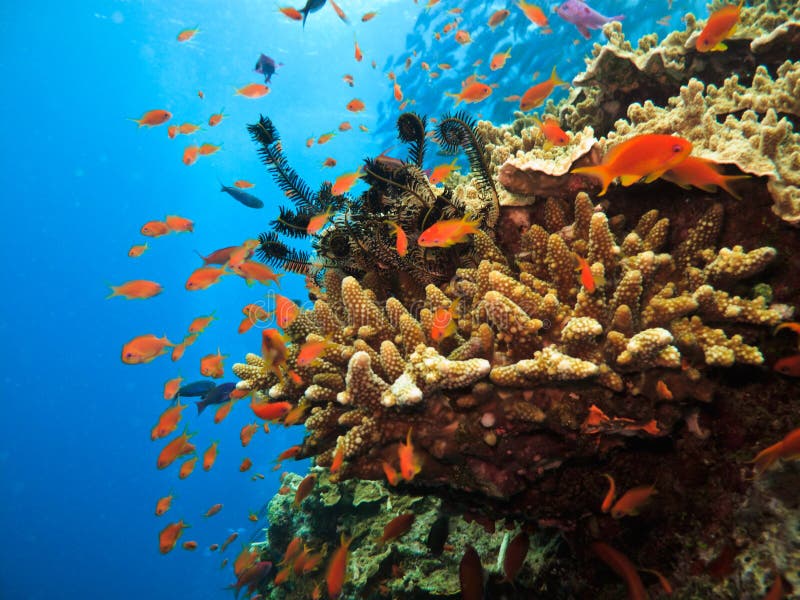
(554, 135)
(446, 233)
(719, 27)
(344, 183)
(646, 156)
(409, 462)
(337, 568)
(472, 91)
(787, 449)
(631, 502)
(703, 174)
(401, 244)
(536, 95)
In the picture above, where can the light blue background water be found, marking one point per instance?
(77, 467)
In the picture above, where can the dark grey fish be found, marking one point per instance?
(437, 536)
(218, 395)
(196, 388)
(243, 197)
(266, 66)
(311, 6)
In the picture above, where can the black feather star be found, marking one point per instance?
(411, 130)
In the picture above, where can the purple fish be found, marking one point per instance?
(266, 66)
(584, 17)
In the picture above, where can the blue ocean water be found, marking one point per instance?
(77, 465)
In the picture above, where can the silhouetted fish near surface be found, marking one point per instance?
(243, 197)
(311, 6)
(266, 66)
(196, 388)
(218, 395)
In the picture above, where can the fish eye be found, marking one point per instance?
(677, 148)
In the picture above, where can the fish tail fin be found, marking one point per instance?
(456, 96)
(617, 18)
(114, 291)
(201, 406)
(766, 458)
(137, 121)
(598, 172)
(724, 184)
(203, 258)
(556, 79)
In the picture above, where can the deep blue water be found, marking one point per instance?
(77, 465)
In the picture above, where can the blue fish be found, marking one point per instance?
(311, 6)
(266, 66)
(218, 395)
(196, 388)
(243, 197)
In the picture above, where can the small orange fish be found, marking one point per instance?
(213, 510)
(187, 467)
(533, 12)
(211, 365)
(199, 324)
(155, 229)
(409, 463)
(446, 233)
(358, 54)
(355, 105)
(317, 222)
(144, 348)
(392, 476)
(499, 60)
(398, 93)
(168, 537)
(471, 92)
(345, 126)
(167, 422)
(363, 128)
(188, 128)
(338, 459)
(304, 489)
(292, 13)
(662, 391)
(286, 311)
(325, 137)
(222, 412)
(703, 174)
(536, 95)
(443, 325)
(348, 79)
(554, 135)
(178, 351)
(210, 456)
(369, 16)
(253, 90)
(247, 433)
(344, 183)
(176, 448)
(246, 464)
(632, 501)
(208, 149)
(186, 34)
(243, 184)
(310, 351)
(228, 541)
(463, 37)
(213, 547)
(136, 289)
(402, 239)
(163, 504)
(788, 365)
(253, 313)
(441, 172)
(788, 449)
(648, 156)
(216, 118)
(137, 250)
(172, 131)
(253, 270)
(153, 118)
(610, 495)
(190, 545)
(719, 27)
(252, 516)
(339, 11)
(200, 94)
(623, 567)
(179, 224)
(273, 348)
(329, 162)
(587, 279)
(397, 527)
(337, 568)
(190, 154)
(204, 277)
(498, 17)
(270, 411)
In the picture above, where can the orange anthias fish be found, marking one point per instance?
(168, 537)
(498, 17)
(720, 26)
(246, 464)
(223, 411)
(623, 567)
(190, 545)
(310, 351)
(788, 449)
(216, 119)
(348, 79)
(187, 467)
(463, 37)
(703, 174)
(409, 463)
(358, 54)
(397, 527)
(304, 489)
(155, 229)
(610, 495)
(472, 91)
(243, 184)
(253, 90)
(329, 162)
(398, 92)
(632, 501)
(199, 324)
(345, 126)
(187, 34)
(648, 156)
(164, 504)
(213, 510)
(369, 16)
(152, 118)
(292, 13)
(325, 137)
(253, 313)
(554, 135)
(392, 476)
(208, 149)
(317, 222)
(444, 234)
(788, 365)
(211, 365)
(210, 456)
(587, 279)
(188, 128)
(137, 289)
(286, 312)
(176, 448)
(137, 250)
(339, 11)
(172, 131)
(253, 270)
(536, 95)
(337, 568)
(179, 224)
(441, 172)
(338, 459)
(204, 277)
(270, 411)
(443, 325)
(190, 154)
(355, 105)
(144, 348)
(167, 422)
(247, 433)
(228, 541)
(499, 60)
(344, 183)
(402, 240)
(533, 12)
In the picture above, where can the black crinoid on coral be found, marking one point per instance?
(359, 239)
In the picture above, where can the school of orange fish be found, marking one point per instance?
(641, 158)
